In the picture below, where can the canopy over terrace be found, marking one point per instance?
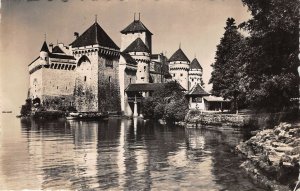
(216, 103)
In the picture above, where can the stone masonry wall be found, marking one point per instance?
(86, 88)
(259, 121)
(62, 102)
(108, 84)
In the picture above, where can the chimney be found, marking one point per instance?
(76, 34)
(51, 47)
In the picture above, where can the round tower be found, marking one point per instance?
(179, 66)
(44, 54)
(141, 54)
(195, 73)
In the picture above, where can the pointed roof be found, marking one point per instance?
(198, 90)
(135, 26)
(58, 50)
(195, 64)
(128, 58)
(179, 56)
(45, 47)
(61, 56)
(94, 35)
(137, 46)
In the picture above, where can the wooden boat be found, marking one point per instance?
(6, 111)
(87, 116)
(72, 116)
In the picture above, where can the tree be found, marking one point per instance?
(26, 109)
(167, 102)
(227, 68)
(270, 57)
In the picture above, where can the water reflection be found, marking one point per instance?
(118, 154)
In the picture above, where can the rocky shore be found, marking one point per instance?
(272, 157)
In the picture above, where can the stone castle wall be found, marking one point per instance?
(58, 82)
(127, 39)
(179, 72)
(194, 78)
(36, 84)
(62, 102)
(108, 84)
(86, 88)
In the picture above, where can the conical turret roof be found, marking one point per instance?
(94, 35)
(58, 50)
(44, 47)
(179, 56)
(195, 64)
(137, 46)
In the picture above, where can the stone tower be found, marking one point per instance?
(179, 66)
(97, 80)
(44, 54)
(133, 31)
(195, 73)
(141, 54)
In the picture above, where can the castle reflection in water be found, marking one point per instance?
(124, 154)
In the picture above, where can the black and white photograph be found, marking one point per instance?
(150, 95)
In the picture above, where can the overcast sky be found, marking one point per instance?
(197, 24)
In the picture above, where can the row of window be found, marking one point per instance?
(63, 66)
(84, 78)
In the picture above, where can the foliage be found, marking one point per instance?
(260, 70)
(176, 109)
(148, 107)
(26, 109)
(270, 57)
(168, 103)
(227, 66)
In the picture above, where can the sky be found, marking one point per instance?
(197, 25)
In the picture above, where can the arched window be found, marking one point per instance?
(83, 59)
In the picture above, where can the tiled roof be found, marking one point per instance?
(137, 46)
(128, 58)
(57, 49)
(195, 64)
(198, 90)
(212, 98)
(94, 35)
(147, 87)
(135, 26)
(45, 47)
(179, 56)
(61, 56)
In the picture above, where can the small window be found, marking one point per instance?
(85, 78)
(66, 87)
(181, 74)
(130, 80)
(197, 99)
(56, 87)
(109, 79)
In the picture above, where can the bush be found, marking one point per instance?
(176, 110)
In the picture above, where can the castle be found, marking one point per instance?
(93, 74)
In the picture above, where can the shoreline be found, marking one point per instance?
(272, 157)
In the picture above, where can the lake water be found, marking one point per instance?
(116, 155)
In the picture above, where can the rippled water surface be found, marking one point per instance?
(116, 155)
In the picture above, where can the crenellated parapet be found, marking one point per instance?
(95, 50)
